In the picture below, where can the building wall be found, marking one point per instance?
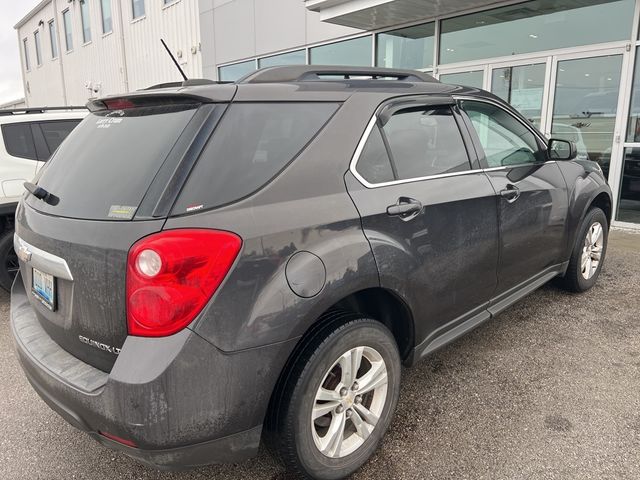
(17, 103)
(128, 58)
(233, 30)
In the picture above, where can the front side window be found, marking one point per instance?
(137, 8)
(68, 30)
(425, 141)
(105, 10)
(36, 41)
(53, 39)
(504, 139)
(86, 21)
(25, 48)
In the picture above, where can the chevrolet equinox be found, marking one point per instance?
(206, 265)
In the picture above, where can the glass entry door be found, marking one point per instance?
(585, 105)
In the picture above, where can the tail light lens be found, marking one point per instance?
(171, 275)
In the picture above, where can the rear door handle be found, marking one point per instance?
(511, 193)
(406, 208)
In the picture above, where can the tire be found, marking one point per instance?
(579, 276)
(298, 439)
(8, 260)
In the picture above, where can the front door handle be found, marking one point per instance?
(511, 193)
(406, 208)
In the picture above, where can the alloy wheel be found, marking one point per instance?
(349, 402)
(592, 250)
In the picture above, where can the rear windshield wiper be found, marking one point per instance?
(41, 194)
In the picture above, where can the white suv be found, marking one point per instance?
(28, 137)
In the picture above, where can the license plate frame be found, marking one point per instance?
(43, 287)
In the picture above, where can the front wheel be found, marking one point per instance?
(588, 253)
(339, 400)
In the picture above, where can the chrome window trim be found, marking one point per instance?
(500, 106)
(372, 123)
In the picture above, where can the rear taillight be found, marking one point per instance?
(171, 275)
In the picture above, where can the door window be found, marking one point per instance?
(425, 141)
(504, 139)
(374, 164)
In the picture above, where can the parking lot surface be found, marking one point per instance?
(550, 389)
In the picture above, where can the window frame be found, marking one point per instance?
(85, 28)
(102, 9)
(68, 30)
(38, 46)
(53, 38)
(25, 53)
(541, 141)
(133, 11)
(387, 110)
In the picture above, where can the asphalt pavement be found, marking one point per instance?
(550, 389)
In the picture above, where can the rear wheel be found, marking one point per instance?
(9, 265)
(588, 253)
(339, 399)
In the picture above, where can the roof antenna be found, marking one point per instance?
(174, 60)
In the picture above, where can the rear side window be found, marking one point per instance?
(425, 141)
(105, 166)
(250, 146)
(374, 164)
(18, 140)
(55, 132)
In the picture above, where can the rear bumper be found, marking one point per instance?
(180, 400)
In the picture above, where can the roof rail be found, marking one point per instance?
(191, 82)
(27, 110)
(305, 73)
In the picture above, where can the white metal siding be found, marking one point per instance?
(129, 58)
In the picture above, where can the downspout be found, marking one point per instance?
(123, 50)
(60, 50)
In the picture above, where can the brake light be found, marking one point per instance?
(118, 103)
(171, 276)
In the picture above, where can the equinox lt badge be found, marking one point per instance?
(101, 346)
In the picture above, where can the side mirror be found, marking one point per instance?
(562, 149)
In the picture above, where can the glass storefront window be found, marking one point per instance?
(633, 130)
(586, 103)
(522, 87)
(410, 47)
(467, 79)
(534, 26)
(298, 57)
(629, 204)
(354, 52)
(231, 73)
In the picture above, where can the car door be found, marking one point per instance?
(428, 212)
(531, 194)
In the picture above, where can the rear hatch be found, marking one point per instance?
(110, 183)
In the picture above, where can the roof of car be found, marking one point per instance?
(40, 115)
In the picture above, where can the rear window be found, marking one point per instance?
(18, 140)
(107, 163)
(55, 132)
(250, 146)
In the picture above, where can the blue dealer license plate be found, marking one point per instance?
(44, 288)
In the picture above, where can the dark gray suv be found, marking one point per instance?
(206, 265)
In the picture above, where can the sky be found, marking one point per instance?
(10, 77)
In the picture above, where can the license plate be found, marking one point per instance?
(44, 288)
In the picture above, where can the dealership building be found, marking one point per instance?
(568, 65)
